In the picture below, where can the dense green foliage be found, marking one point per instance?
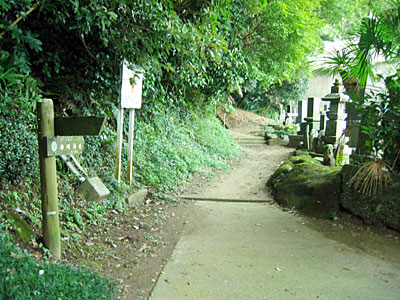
(24, 278)
(192, 52)
(383, 109)
(268, 102)
(343, 17)
(167, 152)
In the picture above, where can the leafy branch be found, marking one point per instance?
(21, 17)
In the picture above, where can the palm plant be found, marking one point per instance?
(378, 36)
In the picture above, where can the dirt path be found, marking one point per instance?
(258, 251)
(248, 181)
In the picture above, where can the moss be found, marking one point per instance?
(279, 173)
(302, 182)
(90, 263)
(301, 159)
(22, 227)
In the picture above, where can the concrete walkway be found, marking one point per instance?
(256, 251)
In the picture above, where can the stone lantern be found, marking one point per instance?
(336, 123)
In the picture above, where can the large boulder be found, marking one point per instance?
(303, 183)
(381, 209)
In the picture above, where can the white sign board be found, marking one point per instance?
(131, 87)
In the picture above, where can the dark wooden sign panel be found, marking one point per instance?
(68, 126)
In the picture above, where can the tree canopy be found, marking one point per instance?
(194, 52)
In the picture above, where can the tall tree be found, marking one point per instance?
(343, 17)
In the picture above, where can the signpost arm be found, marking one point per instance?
(48, 179)
(130, 144)
(120, 129)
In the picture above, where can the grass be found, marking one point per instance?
(25, 278)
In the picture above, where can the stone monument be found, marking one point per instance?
(336, 123)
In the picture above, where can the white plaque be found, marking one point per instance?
(131, 87)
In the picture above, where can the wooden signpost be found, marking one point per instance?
(131, 99)
(52, 143)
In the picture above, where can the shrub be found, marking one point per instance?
(25, 278)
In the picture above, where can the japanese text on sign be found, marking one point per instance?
(131, 87)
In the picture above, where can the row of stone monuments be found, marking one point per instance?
(326, 123)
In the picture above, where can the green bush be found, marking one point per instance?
(167, 149)
(18, 135)
(18, 144)
(25, 278)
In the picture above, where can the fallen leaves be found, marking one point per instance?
(144, 246)
(12, 254)
(10, 270)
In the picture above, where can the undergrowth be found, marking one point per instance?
(25, 278)
(168, 148)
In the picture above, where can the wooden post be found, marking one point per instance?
(130, 144)
(48, 179)
(118, 152)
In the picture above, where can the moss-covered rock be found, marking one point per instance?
(383, 208)
(22, 227)
(303, 183)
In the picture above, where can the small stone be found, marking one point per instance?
(143, 226)
(137, 197)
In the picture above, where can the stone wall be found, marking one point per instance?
(383, 208)
(301, 182)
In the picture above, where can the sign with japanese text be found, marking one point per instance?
(131, 87)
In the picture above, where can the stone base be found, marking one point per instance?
(321, 148)
(295, 140)
(93, 189)
(383, 208)
(137, 197)
(329, 139)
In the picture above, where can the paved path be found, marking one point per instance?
(256, 251)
